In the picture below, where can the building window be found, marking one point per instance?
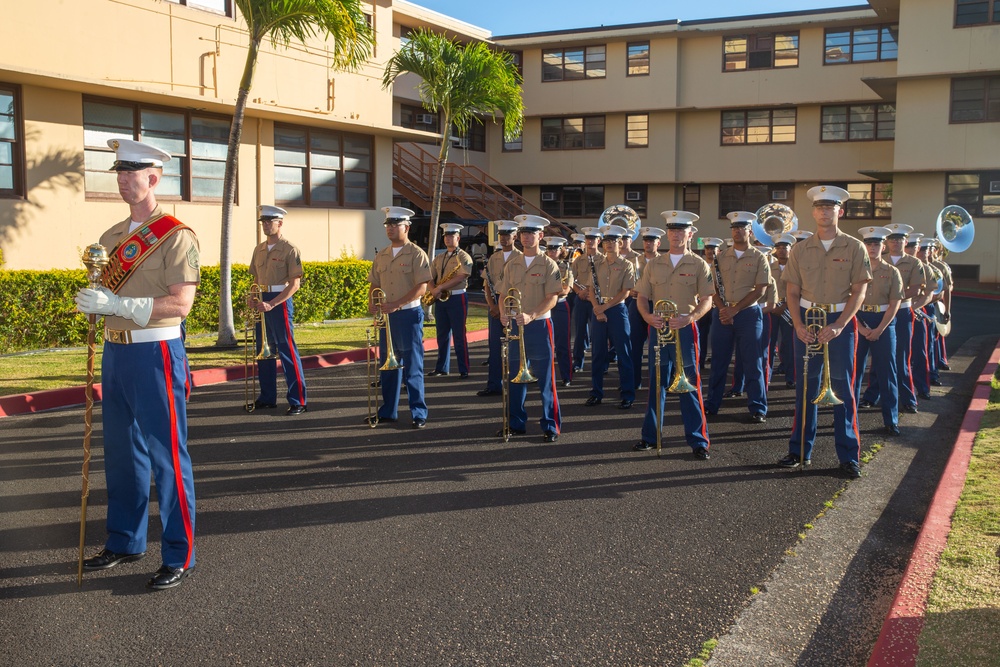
(978, 193)
(760, 51)
(322, 168)
(573, 201)
(636, 198)
(474, 139)
(692, 199)
(637, 130)
(975, 100)
(572, 133)
(11, 142)
(869, 200)
(862, 44)
(638, 59)
(858, 122)
(513, 146)
(417, 118)
(751, 196)
(517, 57)
(197, 144)
(758, 126)
(582, 62)
(976, 12)
(224, 7)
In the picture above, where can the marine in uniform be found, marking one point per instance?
(782, 332)
(684, 278)
(637, 325)
(939, 354)
(912, 276)
(554, 245)
(147, 289)
(610, 279)
(829, 271)
(920, 347)
(711, 246)
(743, 273)
(583, 310)
(536, 277)
(492, 275)
(450, 272)
(876, 327)
(402, 271)
(276, 266)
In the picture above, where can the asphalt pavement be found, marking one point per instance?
(321, 541)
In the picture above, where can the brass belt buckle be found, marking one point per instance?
(828, 307)
(118, 336)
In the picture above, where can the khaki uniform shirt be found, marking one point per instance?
(175, 261)
(642, 266)
(741, 275)
(909, 270)
(496, 264)
(636, 258)
(581, 269)
(930, 282)
(278, 266)
(685, 284)
(827, 276)
(398, 275)
(439, 269)
(535, 282)
(612, 276)
(566, 274)
(945, 270)
(778, 271)
(886, 285)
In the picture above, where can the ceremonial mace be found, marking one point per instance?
(95, 258)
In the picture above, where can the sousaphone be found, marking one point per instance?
(774, 219)
(623, 216)
(955, 231)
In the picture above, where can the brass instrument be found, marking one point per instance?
(623, 216)
(815, 320)
(379, 321)
(774, 219)
(428, 298)
(679, 385)
(955, 231)
(511, 307)
(254, 319)
(564, 272)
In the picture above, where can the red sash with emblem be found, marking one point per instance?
(133, 250)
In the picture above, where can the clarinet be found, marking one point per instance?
(718, 280)
(597, 285)
(489, 279)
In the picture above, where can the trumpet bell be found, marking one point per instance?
(774, 219)
(623, 216)
(955, 228)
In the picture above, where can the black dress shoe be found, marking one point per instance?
(485, 363)
(789, 385)
(866, 404)
(168, 577)
(513, 431)
(296, 410)
(924, 396)
(378, 420)
(850, 469)
(910, 409)
(374, 383)
(792, 461)
(488, 392)
(550, 436)
(567, 383)
(892, 429)
(732, 394)
(436, 373)
(106, 559)
(578, 369)
(625, 404)
(464, 375)
(702, 454)
(937, 383)
(419, 423)
(758, 418)
(642, 446)
(944, 367)
(593, 400)
(257, 405)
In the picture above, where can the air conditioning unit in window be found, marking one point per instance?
(633, 195)
(463, 143)
(425, 119)
(779, 195)
(994, 187)
(548, 196)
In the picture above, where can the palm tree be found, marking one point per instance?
(282, 21)
(462, 83)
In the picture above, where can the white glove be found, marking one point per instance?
(102, 301)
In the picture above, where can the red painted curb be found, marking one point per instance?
(977, 295)
(19, 404)
(897, 643)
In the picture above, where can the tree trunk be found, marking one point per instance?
(439, 184)
(227, 331)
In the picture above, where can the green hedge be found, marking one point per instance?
(37, 309)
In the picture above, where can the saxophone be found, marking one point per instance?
(428, 298)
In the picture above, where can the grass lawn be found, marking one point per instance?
(962, 625)
(54, 369)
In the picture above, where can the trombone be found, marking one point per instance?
(251, 342)
(679, 383)
(379, 321)
(511, 307)
(815, 319)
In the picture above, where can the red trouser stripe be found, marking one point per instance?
(175, 450)
(555, 394)
(697, 377)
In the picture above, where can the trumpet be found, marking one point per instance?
(511, 307)
(815, 320)
(255, 348)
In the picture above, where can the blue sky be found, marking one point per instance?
(506, 17)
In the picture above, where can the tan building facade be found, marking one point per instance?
(899, 102)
